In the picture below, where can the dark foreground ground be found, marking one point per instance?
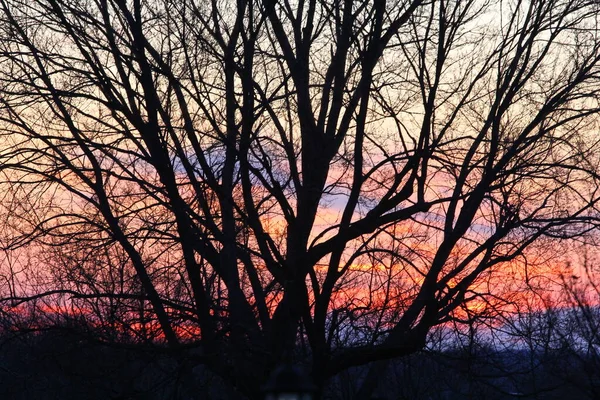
(59, 366)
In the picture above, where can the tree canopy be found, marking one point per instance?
(256, 181)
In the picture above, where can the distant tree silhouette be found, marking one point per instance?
(264, 181)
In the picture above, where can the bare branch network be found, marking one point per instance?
(265, 181)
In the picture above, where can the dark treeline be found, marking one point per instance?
(68, 363)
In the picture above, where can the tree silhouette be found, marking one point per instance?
(263, 181)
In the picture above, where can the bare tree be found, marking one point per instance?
(315, 180)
